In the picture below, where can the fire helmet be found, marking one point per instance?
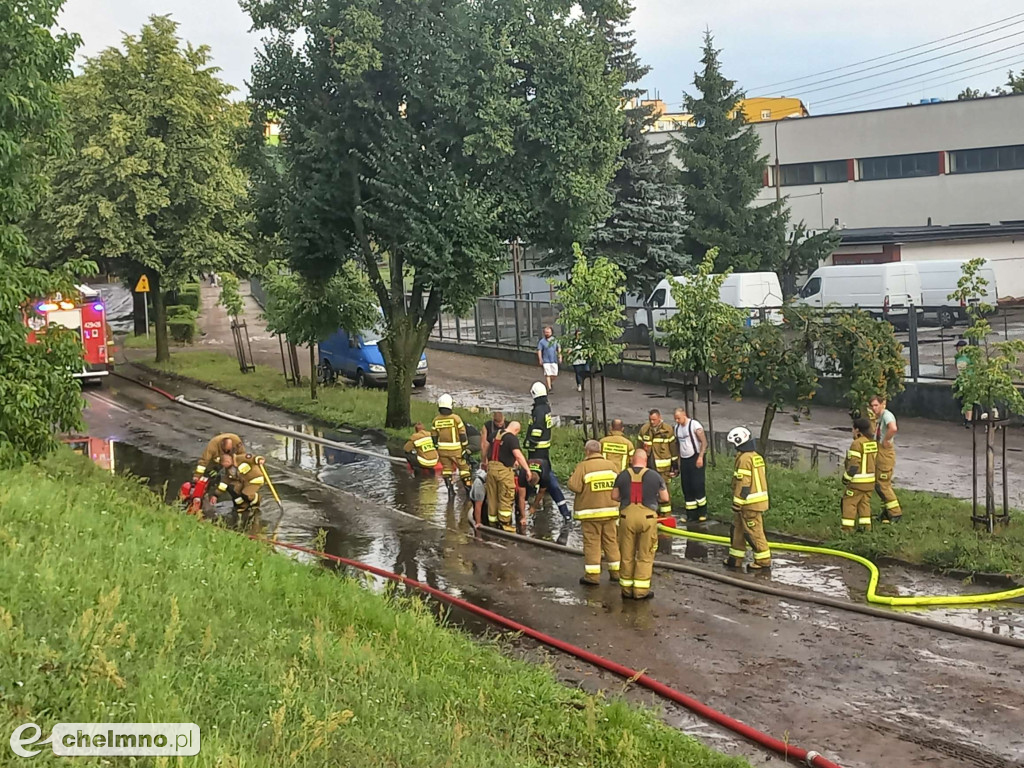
(538, 390)
(445, 401)
(738, 436)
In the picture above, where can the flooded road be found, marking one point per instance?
(786, 667)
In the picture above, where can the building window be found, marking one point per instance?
(899, 166)
(987, 159)
(814, 173)
(766, 114)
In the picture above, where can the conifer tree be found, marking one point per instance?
(723, 170)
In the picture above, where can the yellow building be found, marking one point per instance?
(757, 109)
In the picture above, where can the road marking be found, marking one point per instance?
(106, 401)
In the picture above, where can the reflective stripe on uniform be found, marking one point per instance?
(849, 523)
(693, 504)
(702, 501)
(244, 468)
(740, 553)
(641, 583)
(613, 566)
(863, 521)
(894, 504)
(222, 487)
(200, 469)
(428, 440)
(424, 462)
(662, 463)
(742, 473)
(601, 480)
(763, 555)
(258, 480)
(625, 582)
(598, 512)
(592, 568)
(450, 446)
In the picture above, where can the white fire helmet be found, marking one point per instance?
(538, 390)
(738, 436)
(445, 401)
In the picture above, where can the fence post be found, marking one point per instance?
(497, 332)
(476, 320)
(650, 336)
(458, 330)
(915, 352)
(515, 311)
(529, 321)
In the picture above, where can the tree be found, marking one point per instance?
(804, 254)
(230, 297)
(1014, 84)
(152, 185)
(308, 313)
(645, 231)
(988, 378)
(723, 171)
(691, 333)
(854, 346)
(591, 304)
(771, 358)
(428, 135)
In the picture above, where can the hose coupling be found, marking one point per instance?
(811, 755)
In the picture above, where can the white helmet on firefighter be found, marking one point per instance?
(445, 401)
(738, 436)
(538, 390)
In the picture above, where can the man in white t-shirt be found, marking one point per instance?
(692, 445)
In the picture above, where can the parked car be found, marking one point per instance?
(358, 357)
(757, 292)
(939, 279)
(885, 290)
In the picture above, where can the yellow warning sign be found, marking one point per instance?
(143, 285)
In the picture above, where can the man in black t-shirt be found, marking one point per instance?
(639, 492)
(491, 430)
(503, 455)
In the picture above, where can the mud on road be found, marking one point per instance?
(863, 691)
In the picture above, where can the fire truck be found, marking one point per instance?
(84, 313)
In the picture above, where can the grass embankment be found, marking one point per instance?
(935, 530)
(116, 608)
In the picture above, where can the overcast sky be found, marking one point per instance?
(764, 42)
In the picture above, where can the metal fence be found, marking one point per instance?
(929, 346)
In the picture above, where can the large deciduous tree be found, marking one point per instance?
(37, 391)
(152, 186)
(644, 234)
(427, 135)
(723, 171)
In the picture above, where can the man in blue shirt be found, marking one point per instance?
(549, 355)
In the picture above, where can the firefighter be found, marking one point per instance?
(691, 445)
(420, 451)
(538, 445)
(505, 456)
(885, 463)
(639, 493)
(662, 451)
(542, 479)
(592, 481)
(616, 447)
(452, 443)
(749, 503)
(241, 480)
(859, 478)
(224, 443)
(491, 430)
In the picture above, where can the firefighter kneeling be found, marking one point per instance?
(242, 480)
(749, 503)
(593, 482)
(639, 492)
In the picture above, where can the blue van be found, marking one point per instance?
(357, 357)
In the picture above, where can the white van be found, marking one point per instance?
(939, 279)
(754, 291)
(886, 290)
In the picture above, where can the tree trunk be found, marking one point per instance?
(312, 372)
(163, 350)
(402, 350)
(990, 473)
(766, 427)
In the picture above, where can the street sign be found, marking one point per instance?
(143, 285)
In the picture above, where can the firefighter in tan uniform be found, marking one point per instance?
(242, 479)
(885, 463)
(616, 447)
(420, 451)
(749, 503)
(659, 442)
(452, 443)
(225, 443)
(593, 481)
(500, 487)
(639, 492)
(859, 478)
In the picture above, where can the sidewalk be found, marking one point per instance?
(931, 455)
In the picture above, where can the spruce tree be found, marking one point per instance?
(644, 233)
(723, 170)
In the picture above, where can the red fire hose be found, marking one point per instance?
(807, 757)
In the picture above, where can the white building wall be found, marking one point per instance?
(1006, 257)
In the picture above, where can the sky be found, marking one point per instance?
(765, 44)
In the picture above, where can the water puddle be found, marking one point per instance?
(430, 541)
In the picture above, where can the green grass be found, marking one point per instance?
(131, 341)
(935, 531)
(117, 608)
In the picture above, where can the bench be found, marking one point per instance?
(674, 383)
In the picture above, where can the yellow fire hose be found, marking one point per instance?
(277, 498)
(872, 596)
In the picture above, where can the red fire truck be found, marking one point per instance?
(84, 313)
